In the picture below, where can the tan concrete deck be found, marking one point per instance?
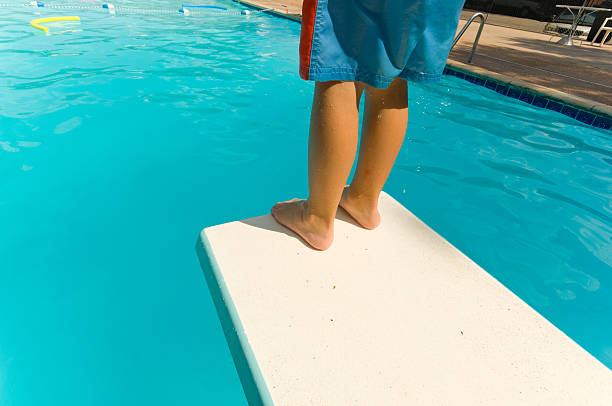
(392, 316)
(583, 71)
(524, 24)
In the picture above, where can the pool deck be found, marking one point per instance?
(393, 316)
(582, 74)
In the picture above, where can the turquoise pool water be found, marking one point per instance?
(122, 138)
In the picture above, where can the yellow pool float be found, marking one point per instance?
(36, 23)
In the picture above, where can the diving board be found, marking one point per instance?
(393, 316)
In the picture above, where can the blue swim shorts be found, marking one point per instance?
(375, 41)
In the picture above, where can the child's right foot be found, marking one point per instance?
(364, 211)
(293, 214)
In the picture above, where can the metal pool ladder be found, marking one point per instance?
(465, 27)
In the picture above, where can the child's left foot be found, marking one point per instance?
(294, 215)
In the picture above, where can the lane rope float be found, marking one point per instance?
(204, 6)
(186, 9)
(36, 23)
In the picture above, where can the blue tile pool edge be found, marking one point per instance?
(251, 378)
(589, 117)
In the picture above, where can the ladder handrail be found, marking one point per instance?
(465, 27)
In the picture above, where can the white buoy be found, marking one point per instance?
(110, 7)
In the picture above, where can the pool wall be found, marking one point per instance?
(594, 114)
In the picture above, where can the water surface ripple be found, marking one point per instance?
(122, 136)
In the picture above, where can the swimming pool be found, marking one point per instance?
(121, 139)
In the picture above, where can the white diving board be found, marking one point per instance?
(393, 316)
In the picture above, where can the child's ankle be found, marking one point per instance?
(363, 199)
(319, 220)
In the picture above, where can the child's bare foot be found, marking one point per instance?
(294, 215)
(363, 210)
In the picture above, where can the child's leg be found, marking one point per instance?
(334, 126)
(384, 126)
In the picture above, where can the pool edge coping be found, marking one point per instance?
(273, 11)
(563, 97)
